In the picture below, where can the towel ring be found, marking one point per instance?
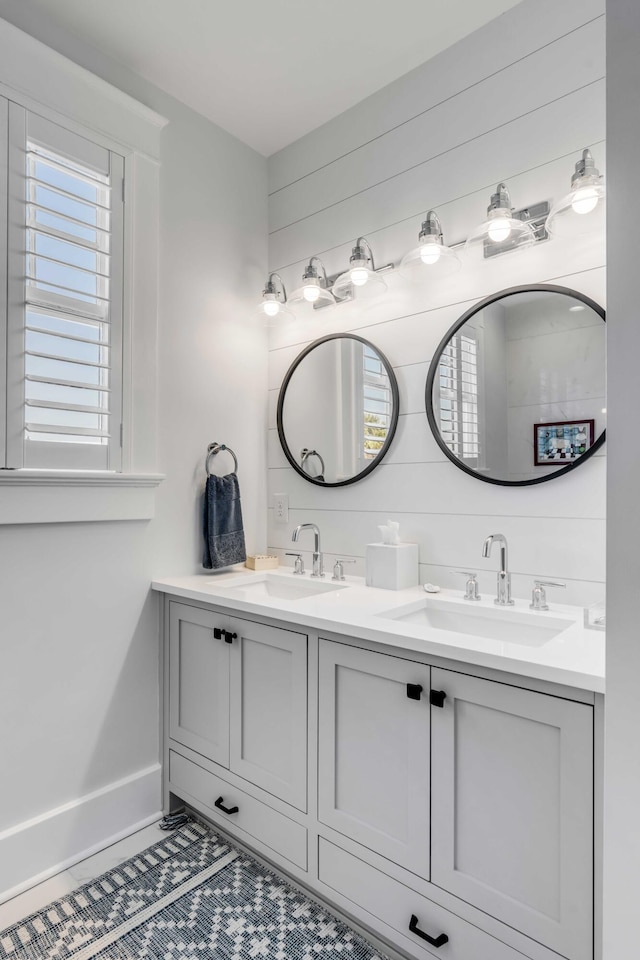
(305, 453)
(215, 448)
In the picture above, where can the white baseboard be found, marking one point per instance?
(36, 849)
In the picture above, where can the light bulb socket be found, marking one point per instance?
(310, 273)
(500, 200)
(431, 228)
(585, 170)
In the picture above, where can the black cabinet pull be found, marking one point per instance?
(228, 636)
(228, 810)
(217, 633)
(413, 691)
(437, 698)
(434, 941)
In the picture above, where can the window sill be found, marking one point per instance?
(42, 496)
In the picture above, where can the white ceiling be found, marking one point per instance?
(268, 71)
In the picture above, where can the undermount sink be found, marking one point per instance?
(271, 586)
(502, 624)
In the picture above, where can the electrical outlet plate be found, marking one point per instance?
(281, 507)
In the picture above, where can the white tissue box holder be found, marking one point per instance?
(392, 566)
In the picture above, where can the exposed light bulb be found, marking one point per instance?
(430, 253)
(271, 308)
(499, 230)
(311, 293)
(585, 200)
(359, 276)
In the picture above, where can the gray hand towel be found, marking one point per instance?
(223, 532)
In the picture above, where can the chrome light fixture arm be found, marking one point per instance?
(362, 251)
(312, 274)
(271, 289)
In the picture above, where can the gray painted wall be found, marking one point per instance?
(79, 703)
(622, 706)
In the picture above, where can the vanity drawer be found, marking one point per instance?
(253, 818)
(391, 903)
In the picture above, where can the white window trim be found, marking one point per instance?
(40, 80)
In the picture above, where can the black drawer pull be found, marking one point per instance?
(217, 633)
(434, 941)
(437, 698)
(228, 810)
(413, 691)
(228, 636)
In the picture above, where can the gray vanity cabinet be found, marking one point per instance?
(512, 807)
(455, 811)
(238, 696)
(268, 687)
(198, 682)
(498, 780)
(373, 752)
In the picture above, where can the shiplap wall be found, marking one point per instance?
(516, 101)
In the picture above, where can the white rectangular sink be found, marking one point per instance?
(501, 623)
(273, 586)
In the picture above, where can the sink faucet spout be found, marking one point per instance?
(318, 560)
(504, 577)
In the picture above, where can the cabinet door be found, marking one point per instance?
(512, 808)
(269, 709)
(373, 775)
(199, 682)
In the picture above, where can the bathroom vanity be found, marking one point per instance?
(428, 766)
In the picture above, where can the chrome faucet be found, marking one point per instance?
(504, 577)
(318, 560)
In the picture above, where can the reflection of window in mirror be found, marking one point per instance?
(376, 403)
(459, 397)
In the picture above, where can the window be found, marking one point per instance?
(65, 298)
(377, 403)
(459, 396)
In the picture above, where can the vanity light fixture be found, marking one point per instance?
(506, 229)
(362, 279)
(274, 300)
(431, 256)
(314, 292)
(582, 209)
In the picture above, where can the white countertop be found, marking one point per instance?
(574, 657)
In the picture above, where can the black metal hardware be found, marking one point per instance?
(437, 698)
(434, 941)
(229, 810)
(413, 691)
(217, 633)
(228, 636)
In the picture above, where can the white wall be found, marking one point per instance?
(79, 680)
(517, 101)
(622, 706)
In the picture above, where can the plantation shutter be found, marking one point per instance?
(64, 343)
(377, 403)
(458, 396)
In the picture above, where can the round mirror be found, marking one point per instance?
(337, 410)
(516, 390)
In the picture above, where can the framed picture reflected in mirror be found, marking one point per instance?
(562, 442)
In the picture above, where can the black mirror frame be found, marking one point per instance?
(435, 363)
(394, 416)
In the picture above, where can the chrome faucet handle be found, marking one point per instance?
(338, 571)
(299, 564)
(539, 596)
(471, 589)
